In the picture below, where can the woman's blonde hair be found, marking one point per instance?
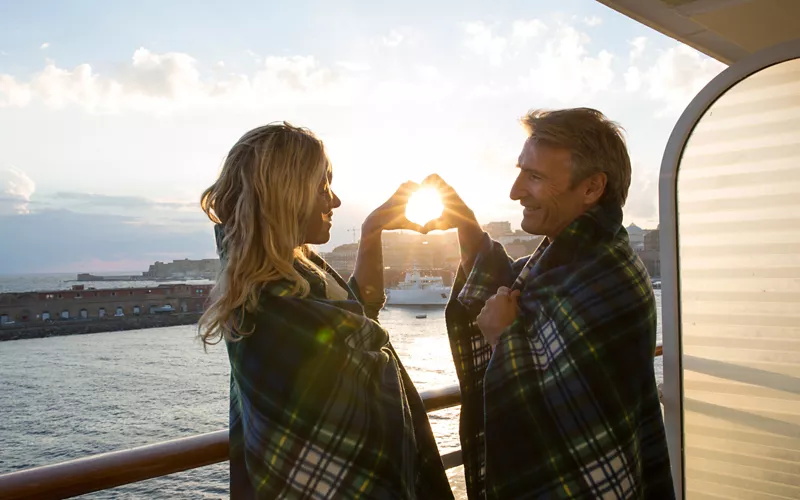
(263, 199)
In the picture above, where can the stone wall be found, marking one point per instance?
(79, 327)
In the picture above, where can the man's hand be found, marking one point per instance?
(392, 214)
(499, 312)
(456, 213)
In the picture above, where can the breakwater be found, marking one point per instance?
(80, 327)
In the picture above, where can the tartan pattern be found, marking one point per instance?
(567, 405)
(321, 407)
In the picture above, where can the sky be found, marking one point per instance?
(114, 117)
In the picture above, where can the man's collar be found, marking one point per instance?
(601, 222)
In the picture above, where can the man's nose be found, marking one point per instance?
(517, 191)
(336, 201)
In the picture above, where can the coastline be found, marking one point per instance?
(83, 327)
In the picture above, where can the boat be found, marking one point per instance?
(418, 290)
(421, 316)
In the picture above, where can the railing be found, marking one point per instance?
(117, 468)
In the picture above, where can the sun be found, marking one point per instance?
(424, 205)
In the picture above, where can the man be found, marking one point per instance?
(554, 352)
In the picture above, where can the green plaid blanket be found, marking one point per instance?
(321, 406)
(567, 405)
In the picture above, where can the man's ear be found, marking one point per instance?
(594, 187)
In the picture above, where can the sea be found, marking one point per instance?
(63, 398)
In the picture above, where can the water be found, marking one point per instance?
(63, 281)
(68, 397)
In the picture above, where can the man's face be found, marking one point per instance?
(544, 187)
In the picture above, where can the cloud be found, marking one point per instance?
(522, 31)
(483, 42)
(674, 78)
(172, 81)
(393, 39)
(559, 67)
(638, 45)
(44, 45)
(592, 21)
(12, 93)
(124, 202)
(565, 71)
(642, 203)
(354, 66)
(16, 189)
(70, 241)
(401, 36)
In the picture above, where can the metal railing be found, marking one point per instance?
(118, 468)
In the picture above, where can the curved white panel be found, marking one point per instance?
(731, 200)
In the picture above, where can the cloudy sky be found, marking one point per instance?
(114, 118)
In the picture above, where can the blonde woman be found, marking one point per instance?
(320, 405)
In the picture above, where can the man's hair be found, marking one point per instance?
(596, 143)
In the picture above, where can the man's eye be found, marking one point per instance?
(533, 177)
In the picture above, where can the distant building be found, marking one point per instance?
(498, 229)
(636, 236)
(518, 236)
(342, 258)
(651, 253)
(438, 254)
(204, 268)
(85, 304)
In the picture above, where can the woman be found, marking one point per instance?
(320, 405)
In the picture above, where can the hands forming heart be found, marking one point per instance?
(448, 211)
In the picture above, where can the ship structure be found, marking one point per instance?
(418, 290)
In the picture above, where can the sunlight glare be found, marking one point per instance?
(424, 205)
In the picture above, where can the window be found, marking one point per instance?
(65, 314)
(45, 316)
(84, 314)
(120, 312)
(102, 312)
(136, 310)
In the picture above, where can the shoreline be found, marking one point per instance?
(84, 327)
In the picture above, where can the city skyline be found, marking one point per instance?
(113, 120)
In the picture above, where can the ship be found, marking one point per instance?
(418, 290)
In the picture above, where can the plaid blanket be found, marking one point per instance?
(321, 407)
(567, 405)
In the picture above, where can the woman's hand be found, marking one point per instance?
(392, 214)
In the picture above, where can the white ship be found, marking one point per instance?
(418, 290)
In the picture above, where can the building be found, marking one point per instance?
(636, 237)
(342, 258)
(85, 304)
(498, 229)
(519, 236)
(203, 269)
(650, 253)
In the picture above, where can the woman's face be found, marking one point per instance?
(320, 222)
